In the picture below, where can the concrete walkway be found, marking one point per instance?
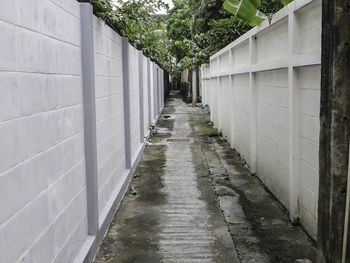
(185, 204)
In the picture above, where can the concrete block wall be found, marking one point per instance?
(42, 164)
(134, 102)
(43, 175)
(242, 114)
(272, 139)
(308, 81)
(263, 91)
(146, 96)
(109, 110)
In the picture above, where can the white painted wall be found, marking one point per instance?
(42, 159)
(242, 113)
(272, 131)
(134, 102)
(145, 97)
(42, 166)
(264, 93)
(308, 81)
(109, 111)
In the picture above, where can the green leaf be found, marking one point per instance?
(247, 10)
(286, 2)
(132, 190)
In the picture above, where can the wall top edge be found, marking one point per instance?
(278, 16)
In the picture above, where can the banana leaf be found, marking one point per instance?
(247, 10)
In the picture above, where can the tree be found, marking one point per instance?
(191, 32)
(197, 29)
(137, 20)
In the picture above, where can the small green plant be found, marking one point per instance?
(132, 190)
(220, 132)
(135, 175)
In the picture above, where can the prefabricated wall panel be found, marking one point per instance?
(109, 110)
(43, 180)
(308, 82)
(42, 167)
(272, 131)
(134, 102)
(263, 91)
(145, 96)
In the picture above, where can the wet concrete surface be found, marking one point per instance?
(195, 201)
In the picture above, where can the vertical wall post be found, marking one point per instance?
(155, 91)
(293, 113)
(126, 95)
(89, 100)
(158, 90)
(233, 113)
(218, 103)
(202, 86)
(253, 108)
(232, 120)
(194, 87)
(164, 75)
(142, 116)
(149, 91)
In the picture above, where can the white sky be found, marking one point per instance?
(169, 2)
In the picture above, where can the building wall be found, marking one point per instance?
(271, 76)
(43, 183)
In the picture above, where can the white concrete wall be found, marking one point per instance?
(272, 164)
(42, 167)
(145, 97)
(109, 111)
(308, 81)
(43, 182)
(134, 102)
(263, 91)
(242, 113)
(152, 85)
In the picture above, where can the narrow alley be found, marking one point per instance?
(193, 200)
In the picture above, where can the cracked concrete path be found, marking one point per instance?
(195, 200)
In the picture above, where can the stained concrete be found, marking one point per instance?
(197, 202)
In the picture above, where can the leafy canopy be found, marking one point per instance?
(197, 29)
(138, 20)
(187, 35)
